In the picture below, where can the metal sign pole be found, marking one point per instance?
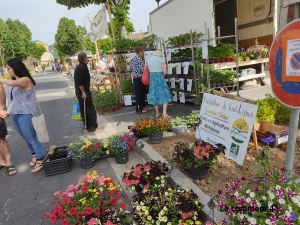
(193, 58)
(219, 34)
(290, 152)
(237, 56)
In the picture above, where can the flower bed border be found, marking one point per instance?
(179, 178)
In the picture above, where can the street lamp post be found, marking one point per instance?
(157, 2)
(12, 47)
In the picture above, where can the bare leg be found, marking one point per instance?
(5, 152)
(165, 106)
(156, 110)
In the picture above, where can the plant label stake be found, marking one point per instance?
(84, 107)
(212, 205)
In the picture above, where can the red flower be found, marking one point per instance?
(97, 212)
(73, 203)
(88, 210)
(147, 168)
(123, 205)
(53, 218)
(79, 215)
(110, 193)
(85, 189)
(73, 211)
(64, 222)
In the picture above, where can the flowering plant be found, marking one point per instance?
(150, 125)
(150, 176)
(88, 149)
(265, 200)
(197, 154)
(119, 144)
(173, 206)
(95, 198)
(256, 48)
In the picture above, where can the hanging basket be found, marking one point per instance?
(156, 138)
(122, 159)
(198, 173)
(87, 163)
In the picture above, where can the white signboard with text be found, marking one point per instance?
(228, 122)
(99, 25)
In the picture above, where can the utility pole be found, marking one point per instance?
(111, 21)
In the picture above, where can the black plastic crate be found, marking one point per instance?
(60, 162)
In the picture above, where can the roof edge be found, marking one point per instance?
(163, 5)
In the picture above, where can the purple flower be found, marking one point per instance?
(219, 192)
(280, 193)
(291, 193)
(268, 139)
(293, 216)
(277, 209)
(234, 185)
(242, 222)
(224, 222)
(221, 204)
(283, 169)
(241, 202)
(282, 179)
(230, 212)
(273, 219)
(257, 189)
(243, 178)
(253, 202)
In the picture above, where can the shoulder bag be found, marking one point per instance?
(39, 123)
(145, 77)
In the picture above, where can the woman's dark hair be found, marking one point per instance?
(138, 49)
(19, 69)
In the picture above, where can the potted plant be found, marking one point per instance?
(119, 145)
(171, 206)
(126, 87)
(257, 51)
(150, 176)
(152, 128)
(93, 200)
(88, 151)
(197, 157)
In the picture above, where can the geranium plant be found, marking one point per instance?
(257, 49)
(119, 144)
(150, 125)
(197, 154)
(172, 206)
(95, 198)
(150, 176)
(85, 148)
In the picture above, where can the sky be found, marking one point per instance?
(42, 16)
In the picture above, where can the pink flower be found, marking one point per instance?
(147, 186)
(123, 205)
(147, 168)
(93, 221)
(186, 215)
(209, 223)
(291, 193)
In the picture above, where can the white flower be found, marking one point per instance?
(166, 193)
(246, 216)
(287, 213)
(133, 188)
(272, 196)
(165, 219)
(267, 221)
(253, 221)
(299, 206)
(270, 204)
(277, 187)
(248, 191)
(144, 208)
(146, 213)
(252, 194)
(281, 201)
(298, 197)
(162, 177)
(157, 178)
(258, 204)
(290, 209)
(141, 203)
(149, 217)
(148, 173)
(157, 222)
(241, 216)
(263, 197)
(236, 194)
(169, 223)
(196, 202)
(165, 208)
(248, 200)
(138, 207)
(295, 200)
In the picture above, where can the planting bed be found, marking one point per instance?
(227, 170)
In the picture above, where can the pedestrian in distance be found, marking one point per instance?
(83, 93)
(159, 92)
(21, 105)
(44, 69)
(110, 64)
(5, 155)
(36, 69)
(137, 65)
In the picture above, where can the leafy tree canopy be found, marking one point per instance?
(104, 45)
(3, 42)
(37, 50)
(67, 37)
(128, 25)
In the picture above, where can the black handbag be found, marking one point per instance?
(3, 129)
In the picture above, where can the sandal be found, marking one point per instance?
(33, 161)
(38, 167)
(2, 167)
(10, 169)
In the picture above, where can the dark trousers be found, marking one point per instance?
(139, 91)
(91, 115)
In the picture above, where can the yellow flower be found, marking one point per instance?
(101, 189)
(107, 152)
(198, 222)
(87, 142)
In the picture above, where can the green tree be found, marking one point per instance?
(60, 53)
(67, 37)
(19, 39)
(38, 50)
(104, 45)
(128, 25)
(3, 42)
(53, 51)
(90, 45)
(119, 8)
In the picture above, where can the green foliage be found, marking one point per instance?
(271, 110)
(105, 100)
(104, 45)
(124, 45)
(128, 25)
(127, 87)
(67, 37)
(262, 160)
(188, 120)
(3, 42)
(37, 50)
